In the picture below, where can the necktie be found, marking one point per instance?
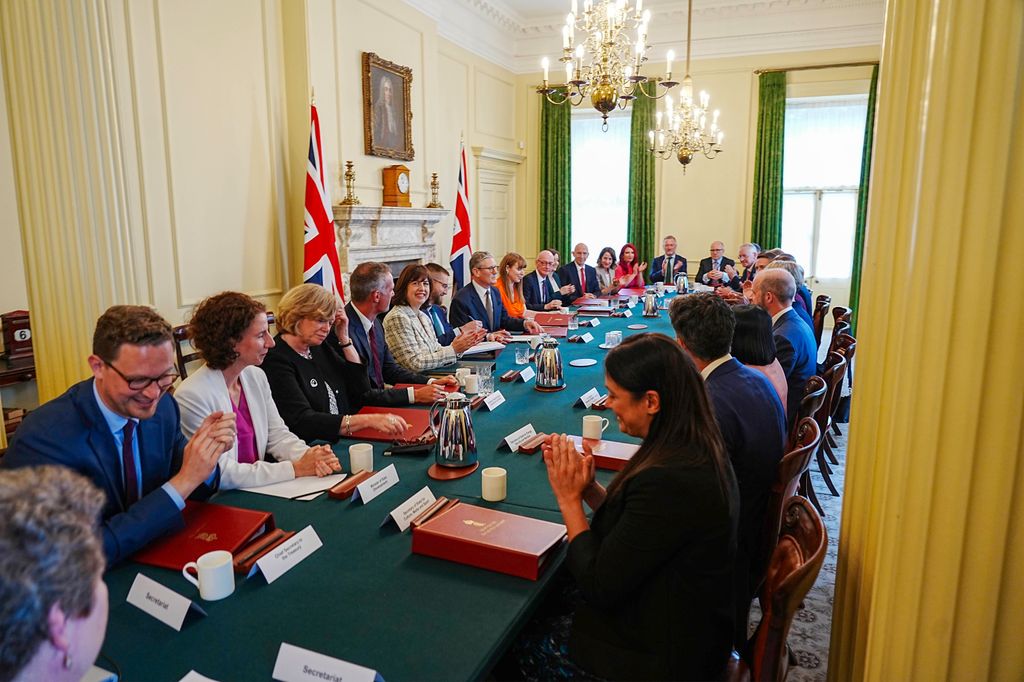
(549, 293)
(668, 268)
(583, 283)
(489, 309)
(131, 477)
(377, 375)
(438, 327)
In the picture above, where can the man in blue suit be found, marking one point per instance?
(372, 287)
(664, 268)
(750, 416)
(440, 284)
(122, 430)
(795, 347)
(480, 300)
(540, 290)
(571, 273)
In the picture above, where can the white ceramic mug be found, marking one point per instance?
(471, 383)
(360, 457)
(215, 576)
(594, 426)
(494, 481)
(461, 373)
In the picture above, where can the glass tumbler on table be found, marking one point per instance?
(522, 353)
(485, 381)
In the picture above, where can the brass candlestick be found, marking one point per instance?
(434, 187)
(350, 186)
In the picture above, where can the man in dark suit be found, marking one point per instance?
(480, 300)
(540, 291)
(122, 430)
(751, 418)
(712, 269)
(440, 285)
(795, 347)
(371, 287)
(579, 275)
(664, 268)
(747, 258)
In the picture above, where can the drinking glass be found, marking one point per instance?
(522, 354)
(485, 381)
(574, 323)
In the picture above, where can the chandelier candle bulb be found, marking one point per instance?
(565, 37)
(570, 23)
(668, 64)
(544, 65)
(575, 7)
(639, 7)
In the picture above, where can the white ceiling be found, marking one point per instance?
(515, 34)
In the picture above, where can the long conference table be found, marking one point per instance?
(364, 596)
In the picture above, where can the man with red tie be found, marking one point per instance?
(581, 276)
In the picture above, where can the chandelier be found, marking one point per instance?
(605, 64)
(688, 130)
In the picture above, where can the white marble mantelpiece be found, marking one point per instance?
(385, 234)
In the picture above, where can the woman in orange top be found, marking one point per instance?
(511, 271)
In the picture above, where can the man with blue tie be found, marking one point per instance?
(539, 292)
(712, 269)
(665, 267)
(440, 284)
(480, 300)
(773, 290)
(579, 275)
(122, 430)
(751, 419)
(372, 287)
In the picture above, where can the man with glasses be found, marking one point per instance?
(580, 276)
(122, 430)
(480, 300)
(440, 285)
(539, 292)
(712, 269)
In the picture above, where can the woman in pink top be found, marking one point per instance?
(627, 273)
(753, 344)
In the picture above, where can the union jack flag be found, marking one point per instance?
(461, 250)
(320, 250)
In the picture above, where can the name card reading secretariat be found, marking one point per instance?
(295, 664)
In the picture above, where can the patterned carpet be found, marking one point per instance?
(812, 625)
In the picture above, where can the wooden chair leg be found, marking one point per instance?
(830, 440)
(831, 455)
(826, 473)
(835, 427)
(807, 490)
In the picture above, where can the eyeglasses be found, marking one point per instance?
(545, 262)
(493, 268)
(717, 250)
(444, 285)
(163, 382)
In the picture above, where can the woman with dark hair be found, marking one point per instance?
(628, 274)
(409, 332)
(230, 330)
(606, 271)
(511, 271)
(654, 568)
(753, 344)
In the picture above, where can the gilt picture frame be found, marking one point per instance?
(387, 108)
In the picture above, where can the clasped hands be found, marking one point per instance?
(319, 460)
(569, 472)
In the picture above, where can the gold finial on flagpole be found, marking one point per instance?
(312, 96)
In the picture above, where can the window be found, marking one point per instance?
(821, 178)
(600, 181)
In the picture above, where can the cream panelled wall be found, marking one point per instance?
(158, 147)
(713, 200)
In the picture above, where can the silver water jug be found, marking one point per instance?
(682, 283)
(549, 365)
(650, 304)
(452, 426)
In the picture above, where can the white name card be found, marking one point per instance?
(376, 484)
(514, 439)
(587, 338)
(589, 397)
(492, 401)
(285, 556)
(193, 676)
(98, 674)
(404, 513)
(595, 322)
(295, 664)
(526, 373)
(627, 313)
(163, 603)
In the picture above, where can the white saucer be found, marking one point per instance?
(605, 346)
(636, 326)
(583, 362)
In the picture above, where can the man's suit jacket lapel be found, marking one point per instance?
(358, 335)
(102, 445)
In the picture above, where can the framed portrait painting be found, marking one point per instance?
(387, 108)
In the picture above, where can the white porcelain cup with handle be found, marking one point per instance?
(494, 482)
(594, 426)
(360, 457)
(472, 382)
(461, 373)
(215, 576)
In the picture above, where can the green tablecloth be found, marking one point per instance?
(364, 597)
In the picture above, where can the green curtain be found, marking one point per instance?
(766, 221)
(640, 226)
(556, 178)
(862, 199)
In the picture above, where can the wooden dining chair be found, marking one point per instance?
(814, 396)
(835, 367)
(841, 314)
(845, 345)
(821, 306)
(794, 566)
(184, 355)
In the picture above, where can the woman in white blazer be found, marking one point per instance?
(409, 333)
(230, 331)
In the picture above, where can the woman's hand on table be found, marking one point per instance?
(318, 460)
(390, 424)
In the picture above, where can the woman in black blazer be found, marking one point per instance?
(655, 566)
(315, 375)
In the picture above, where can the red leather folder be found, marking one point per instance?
(639, 291)
(553, 319)
(447, 388)
(418, 419)
(598, 302)
(487, 538)
(608, 454)
(207, 527)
